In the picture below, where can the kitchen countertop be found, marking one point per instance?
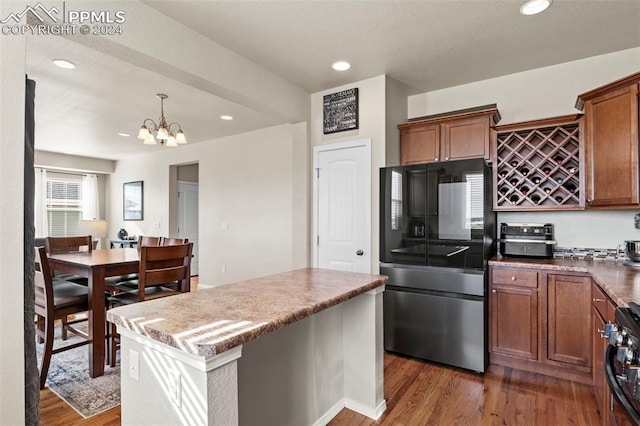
(211, 321)
(621, 283)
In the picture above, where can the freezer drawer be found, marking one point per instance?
(434, 327)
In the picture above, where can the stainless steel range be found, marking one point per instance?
(622, 364)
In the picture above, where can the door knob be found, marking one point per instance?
(360, 252)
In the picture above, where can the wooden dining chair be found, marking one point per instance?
(130, 281)
(163, 271)
(144, 240)
(61, 245)
(166, 241)
(56, 245)
(53, 302)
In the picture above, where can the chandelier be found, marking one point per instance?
(161, 129)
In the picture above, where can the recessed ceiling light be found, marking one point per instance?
(126, 135)
(534, 6)
(63, 63)
(341, 65)
(226, 117)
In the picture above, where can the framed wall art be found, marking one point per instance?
(132, 201)
(340, 111)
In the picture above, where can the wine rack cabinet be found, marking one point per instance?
(538, 165)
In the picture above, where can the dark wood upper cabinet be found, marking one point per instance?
(419, 144)
(611, 143)
(452, 136)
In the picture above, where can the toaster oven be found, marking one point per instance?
(527, 240)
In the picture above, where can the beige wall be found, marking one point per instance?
(73, 163)
(246, 184)
(531, 95)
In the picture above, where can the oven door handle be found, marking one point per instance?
(614, 386)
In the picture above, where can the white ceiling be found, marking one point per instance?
(426, 44)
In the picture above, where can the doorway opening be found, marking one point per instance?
(183, 207)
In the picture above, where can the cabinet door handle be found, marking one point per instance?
(436, 158)
(493, 291)
(446, 158)
(513, 278)
(588, 200)
(596, 300)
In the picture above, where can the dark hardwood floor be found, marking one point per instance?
(420, 393)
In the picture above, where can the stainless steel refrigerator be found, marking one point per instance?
(437, 233)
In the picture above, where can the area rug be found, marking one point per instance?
(68, 378)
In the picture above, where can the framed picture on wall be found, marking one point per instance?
(132, 201)
(340, 111)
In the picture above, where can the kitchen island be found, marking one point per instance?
(290, 348)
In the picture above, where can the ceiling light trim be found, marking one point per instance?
(341, 65)
(533, 7)
(63, 63)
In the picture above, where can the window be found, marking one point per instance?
(396, 200)
(475, 201)
(63, 203)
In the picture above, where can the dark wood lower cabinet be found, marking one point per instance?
(569, 311)
(600, 387)
(541, 322)
(514, 321)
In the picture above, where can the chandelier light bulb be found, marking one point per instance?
(162, 134)
(171, 142)
(143, 133)
(150, 140)
(180, 138)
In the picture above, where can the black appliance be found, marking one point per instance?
(437, 232)
(622, 365)
(527, 240)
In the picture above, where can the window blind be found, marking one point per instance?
(396, 200)
(475, 200)
(64, 204)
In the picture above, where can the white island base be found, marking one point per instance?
(301, 374)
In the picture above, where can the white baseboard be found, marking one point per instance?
(365, 410)
(351, 405)
(330, 413)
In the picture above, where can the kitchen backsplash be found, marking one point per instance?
(588, 253)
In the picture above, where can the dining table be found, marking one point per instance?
(96, 265)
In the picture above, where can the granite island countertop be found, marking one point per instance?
(621, 283)
(210, 321)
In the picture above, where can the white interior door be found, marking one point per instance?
(188, 218)
(342, 193)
